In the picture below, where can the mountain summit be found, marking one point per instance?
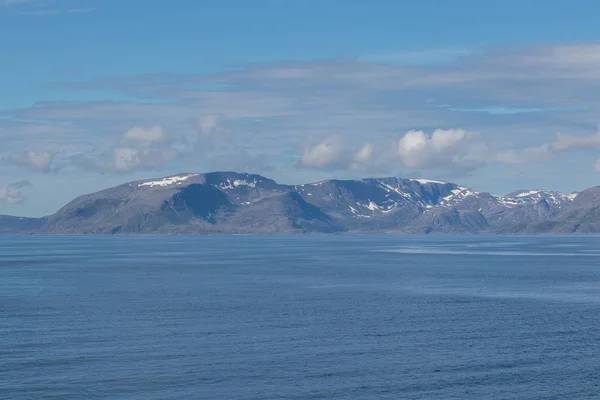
(230, 202)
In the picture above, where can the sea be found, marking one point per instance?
(299, 317)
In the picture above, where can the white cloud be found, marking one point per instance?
(324, 155)
(337, 154)
(546, 151)
(567, 142)
(126, 159)
(532, 154)
(145, 135)
(364, 154)
(210, 125)
(420, 57)
(139, 148)
(12, 193)
(573, 60)
(444, 147)
(362, 158)
(36, 160)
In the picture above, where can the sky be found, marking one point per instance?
(497, 96)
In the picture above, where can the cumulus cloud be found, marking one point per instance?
(126, 159)
(362, 158)
(364, 154)
(12, 193)
(35, 160)
(327, 154)
(210, 125)
(442, 148)
(139, 148)
(337, 154)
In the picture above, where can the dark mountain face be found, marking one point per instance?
(285, 212)
(230, 202)
(201, 201)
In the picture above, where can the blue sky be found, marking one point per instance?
(494, 95)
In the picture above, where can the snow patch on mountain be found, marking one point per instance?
(389, 189)
(237, 183)
(534, 196)
(529, 193)
(172, 180)
(427, 181)
(457, 195)
(357, 213)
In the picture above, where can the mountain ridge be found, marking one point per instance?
(226, 202)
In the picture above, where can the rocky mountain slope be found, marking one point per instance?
(229, 202)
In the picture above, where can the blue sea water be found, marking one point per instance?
(302, 317)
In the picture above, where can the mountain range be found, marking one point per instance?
(240, 203)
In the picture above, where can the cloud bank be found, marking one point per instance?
(139, 148)
(547, 151)
(350, 116)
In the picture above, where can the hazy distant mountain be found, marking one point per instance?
(10, 224)
(230, 202)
